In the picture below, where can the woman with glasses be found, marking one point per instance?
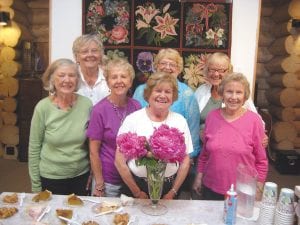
(217, 67)
(170, 61)
(232, 135)
(88, 53)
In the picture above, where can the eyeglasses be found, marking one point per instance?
(217, 70)
(170, 64)
(91, 51)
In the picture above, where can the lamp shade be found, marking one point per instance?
(4, 18)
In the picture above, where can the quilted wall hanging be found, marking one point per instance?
(137, 29)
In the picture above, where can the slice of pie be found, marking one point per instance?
(13, 198)
(67, 213)
(121, 219)
(42, 196)
(74, 200)
(6, 212)
(90, 223)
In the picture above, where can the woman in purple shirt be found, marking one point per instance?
(106, 118)
(232, 135)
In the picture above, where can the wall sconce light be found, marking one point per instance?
(4, 18)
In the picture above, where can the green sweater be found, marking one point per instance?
(57, 142)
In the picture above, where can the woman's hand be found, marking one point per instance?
(170, 195)
(197, 183)
(99, 193)
(265, 141)
(141, 195)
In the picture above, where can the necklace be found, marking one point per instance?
(66, 107)
(118, 112)
(155, 124)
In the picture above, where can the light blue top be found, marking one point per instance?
(186, 105)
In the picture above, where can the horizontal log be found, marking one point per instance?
(281, 64)
(9, 118)
(262, 84)
(266, 10)
(265, 39)
(297, 113)
(294, 9)
(287, 97)
(261, 71)
(282, 46)
(21, 18)
(263, 55)
(38, 4)
(282, 29)
(284, 131)
(297, 125)
(280, 13)
(9, 135)
(40, 16)
(267, 24)
(283, 145)
(284, 80)
(20, 5)
(296, 142)
(283, 114)
(26, 34)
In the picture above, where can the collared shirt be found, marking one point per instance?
(97, 92)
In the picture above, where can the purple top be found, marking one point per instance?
(229, 143)
(104, 124)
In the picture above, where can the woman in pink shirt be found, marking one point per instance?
(232, 135)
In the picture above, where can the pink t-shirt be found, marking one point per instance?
(229, 143)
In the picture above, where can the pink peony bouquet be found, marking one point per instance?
(166, 144)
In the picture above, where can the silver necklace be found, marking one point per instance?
(120, 115)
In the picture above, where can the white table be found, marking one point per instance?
(180, 212)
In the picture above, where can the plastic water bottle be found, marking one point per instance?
(230, 204)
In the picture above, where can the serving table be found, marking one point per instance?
(180, 212)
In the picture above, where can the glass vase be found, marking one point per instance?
(155, 180)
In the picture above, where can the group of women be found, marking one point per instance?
(75, 128)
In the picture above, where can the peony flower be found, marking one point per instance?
(167, 144)
(119, 34)
(132, 145)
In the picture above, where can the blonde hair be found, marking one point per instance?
(158, 78)
(120, 63)
(216, 58)
(237, 77)
(47, 77)
(86, 39)
(169, 53)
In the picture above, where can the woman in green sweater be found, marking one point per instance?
(58, 151)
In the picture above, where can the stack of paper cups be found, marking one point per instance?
(285, 211)
(268, 204)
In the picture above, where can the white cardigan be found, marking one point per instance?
(203, 93)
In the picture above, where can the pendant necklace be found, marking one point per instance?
(120, 115)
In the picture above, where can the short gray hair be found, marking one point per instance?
(84, 39)
(47, 77)
(237, 77)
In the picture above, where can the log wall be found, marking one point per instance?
(278, 72)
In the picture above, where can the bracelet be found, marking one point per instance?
(100, 187)
(174, 191)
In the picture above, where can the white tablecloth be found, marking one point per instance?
(180, 212)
